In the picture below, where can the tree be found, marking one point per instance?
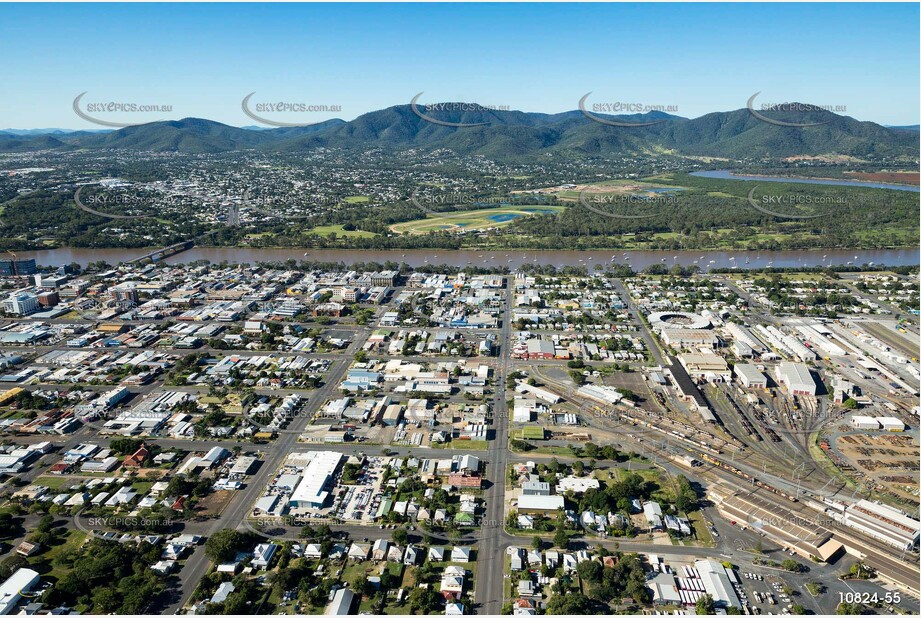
(590, 571)
(561, 539)
(816, 588)
(792, 565)
(861, 571)
(705, 606)
(850, 403)
(389, 580)
(8, 525)
(126, 446)
(224, 545)
(850, 609)
(536, 543)
(11, 564)
(45, 524)
(106, 600)
(424, 600)
(400, 536)
(360, 584)
(568, 604)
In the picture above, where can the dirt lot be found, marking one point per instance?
(890, 459)
(214, 503)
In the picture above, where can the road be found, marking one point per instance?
(491, 551)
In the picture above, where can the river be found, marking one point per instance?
(729, 175)
(513, 258)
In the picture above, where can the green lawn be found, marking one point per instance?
(56, 482)
(701, 531)
(532, 433)
(74, 540)
(142, 487)
(464, 445)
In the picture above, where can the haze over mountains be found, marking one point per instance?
(505, 135)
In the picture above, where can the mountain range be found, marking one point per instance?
(505, 135)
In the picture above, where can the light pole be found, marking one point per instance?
(797, 476)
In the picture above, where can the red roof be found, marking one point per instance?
(137, 458)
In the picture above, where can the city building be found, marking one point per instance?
(535, 488)
(21, 303)
(10, 268)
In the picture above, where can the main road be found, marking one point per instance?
(490, 579)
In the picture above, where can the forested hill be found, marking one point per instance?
(510, 135)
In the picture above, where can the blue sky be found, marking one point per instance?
(203, 59)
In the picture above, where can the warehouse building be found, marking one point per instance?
(709, 367)
(689, 392)
(540, 349)
(749, 376)
(539, 505)
(865, 422)
(12, 589)
(790, 531)
(717, 583)
(744, 336)
(678, 338)
(313, 490)
(886, 423)
(884, 523)
(891, 423)
(797, 378)
(600, 393)
(393, 414)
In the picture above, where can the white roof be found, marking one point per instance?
(544, 503)
(796, 375)
(749, 372)
(316, 474)
(12, 588)
(716, 582)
